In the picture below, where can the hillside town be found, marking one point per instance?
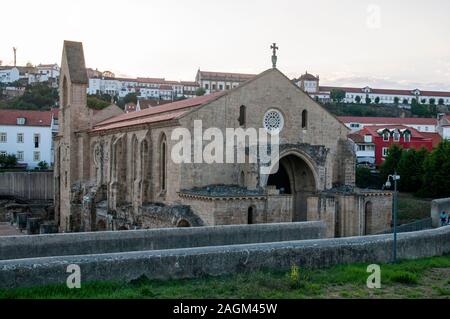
(21, 131)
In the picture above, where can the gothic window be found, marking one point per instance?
(135, 157)
(407, 137)
(304, 119)
(163, 163)
(242, 115)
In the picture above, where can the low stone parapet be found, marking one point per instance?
(154, 239)
(221, 260)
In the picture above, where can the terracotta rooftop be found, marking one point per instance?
(308, 77)
(32, 118)
(373, 130)
(388, 120)
(156, 114)
(145, 104)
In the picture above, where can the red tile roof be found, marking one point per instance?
(308, 77)
(139, 121)
(373, 130)
(190, 83)
(145, 104)
(388, 120)
(155, 114)
(32, 118)
(150, 80)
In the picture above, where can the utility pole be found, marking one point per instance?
(15, 55)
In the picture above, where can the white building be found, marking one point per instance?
(28, 135)
(444, 126)
(356, 123)
(45, 73)
(9, 74)
(403, 98)
(220, 81)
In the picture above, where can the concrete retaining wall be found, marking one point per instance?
(194, 262)
(27, 185)
(154, 239)
(437, 206)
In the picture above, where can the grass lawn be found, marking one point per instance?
(423, 278)
(412, 208)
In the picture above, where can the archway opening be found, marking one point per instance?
(295, 177)
(183, 223)
(251, 215)
(281, 180)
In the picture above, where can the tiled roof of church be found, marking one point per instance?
(75, 61)
(156, 114)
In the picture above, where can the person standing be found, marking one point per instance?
(444, 218)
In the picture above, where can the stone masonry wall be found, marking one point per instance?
(196, 262)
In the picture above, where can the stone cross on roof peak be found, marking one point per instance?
(274, 55)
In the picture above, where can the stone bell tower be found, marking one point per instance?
(71, 144)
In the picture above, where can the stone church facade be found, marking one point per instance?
(115, 171)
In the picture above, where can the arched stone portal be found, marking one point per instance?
(295, 177)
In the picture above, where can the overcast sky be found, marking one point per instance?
(382, 43)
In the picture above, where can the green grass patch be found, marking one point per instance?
(404, 279)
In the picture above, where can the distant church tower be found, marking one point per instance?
(72, 143)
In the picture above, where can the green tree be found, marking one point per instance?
(396, 100)
(337, 95)
(436, 168)
(432, 101)
(38, 96)
(200, 91)
(410, 168)
(8, 161)
(377, 100)
(390, 165)
(130, 98)
(441, 101)
(419, 109)
(42, 165)
(368, 100)
(96, 103)
(358, 99)
(405, 101)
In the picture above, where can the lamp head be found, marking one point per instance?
(388, 184)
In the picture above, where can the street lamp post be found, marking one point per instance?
(395, 178)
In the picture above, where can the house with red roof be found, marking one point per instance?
(373, 142)
(28, 135)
